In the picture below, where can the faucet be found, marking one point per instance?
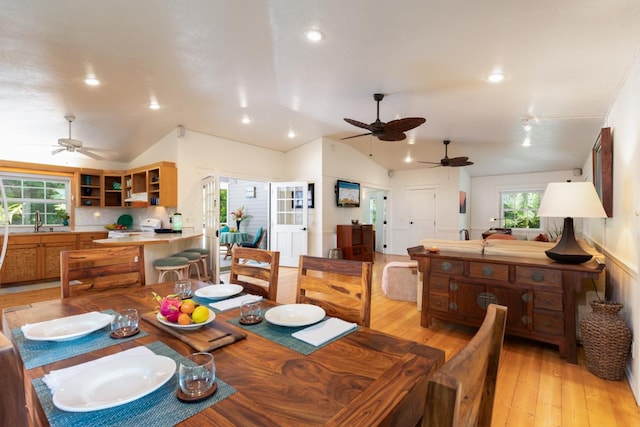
(38, 222)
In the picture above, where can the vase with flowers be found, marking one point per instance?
(239, 215)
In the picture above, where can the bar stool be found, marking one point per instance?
(204, 255)
(193, 260)
(170, 265)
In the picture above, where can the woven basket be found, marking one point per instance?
(606, 340)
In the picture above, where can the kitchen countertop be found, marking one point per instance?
(149, 238)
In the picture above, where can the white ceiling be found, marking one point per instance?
(209, 62)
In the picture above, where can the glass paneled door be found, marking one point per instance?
(289, 221)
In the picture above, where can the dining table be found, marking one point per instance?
(231, 238)
(362, 378)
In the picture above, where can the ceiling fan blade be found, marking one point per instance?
(403, 125)
(459, 164)
(359, 124)
(58, 150)
(356, 136)
(88, 153)
(391, 136)
(430, 163)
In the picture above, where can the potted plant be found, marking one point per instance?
(63, 215)
(239, 215)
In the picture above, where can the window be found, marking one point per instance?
(520, 209)
(27, 194)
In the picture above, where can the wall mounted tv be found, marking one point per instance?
(347, 194)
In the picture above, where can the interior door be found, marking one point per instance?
(422, 215)
(211, 214)
(289, 221)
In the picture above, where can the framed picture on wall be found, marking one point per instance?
(602, 158)
(311, 195)
(463, 202)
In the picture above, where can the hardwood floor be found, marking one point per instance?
(535, 386)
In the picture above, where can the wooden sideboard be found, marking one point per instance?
(540, 293)
(356, 242)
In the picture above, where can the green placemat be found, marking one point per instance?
(38, 353)
(160, 408)
(282, 335)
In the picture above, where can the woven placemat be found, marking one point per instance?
(160, 408)
(282, 335)
(38, 353)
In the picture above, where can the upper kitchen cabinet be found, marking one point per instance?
(90, 188)
(112, 194)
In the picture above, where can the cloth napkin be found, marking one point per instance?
(228, 304)
(55, 379)
(322, 332)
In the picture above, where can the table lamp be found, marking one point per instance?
(570, 200)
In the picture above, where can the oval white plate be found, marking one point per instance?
(218, 291)
(67, 328)
(191, 327)
(113, 383)
(295, 314)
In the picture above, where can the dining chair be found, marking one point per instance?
(256, 270)
(13, 411)
(257, 240)
(341, 287)
(462, 391)
(94, 270)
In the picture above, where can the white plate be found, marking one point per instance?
(295, 314)
(113, 383)
(191, 327)
(67, 328)
(218, 291)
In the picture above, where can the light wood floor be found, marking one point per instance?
(535, 386)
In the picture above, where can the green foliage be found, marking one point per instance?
(223, 206)
(520, 210)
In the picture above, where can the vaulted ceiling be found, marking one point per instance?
(210, 63)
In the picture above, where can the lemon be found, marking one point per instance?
(200, 314)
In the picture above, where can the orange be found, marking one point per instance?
(184, 319)
(187, 306)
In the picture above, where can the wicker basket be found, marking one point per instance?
(606, 340)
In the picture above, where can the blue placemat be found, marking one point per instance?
(282, 335)
(38, 353)
(160, 408)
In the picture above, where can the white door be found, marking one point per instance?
(289, 221)
(422, 215)
(211, 214)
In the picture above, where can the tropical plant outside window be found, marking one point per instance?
(27, 194)
(520, 209)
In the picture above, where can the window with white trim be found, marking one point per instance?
(28, 194)
(519, 209)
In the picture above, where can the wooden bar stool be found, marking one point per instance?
(171, 264)
(204, 259)
(193, 260)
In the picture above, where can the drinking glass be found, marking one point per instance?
(125, 322)
(182, 288)
(197, 373)
(250, 311)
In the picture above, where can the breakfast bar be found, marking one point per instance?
(156, 245)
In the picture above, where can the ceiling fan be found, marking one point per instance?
(391, 131)
(446, 161)
(75, 145)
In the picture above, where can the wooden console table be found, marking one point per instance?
(540, 293)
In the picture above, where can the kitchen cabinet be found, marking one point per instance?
(90, 188)
(51, 245)
(540, 293)
(85, 240)
(112, 190)
(356, 242)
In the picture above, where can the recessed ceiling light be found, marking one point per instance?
(92, 81)
(246, 119)
(408, 159)
(526, 142)
(154, 105)
(291, 134)
(496, 77)
(314, 35)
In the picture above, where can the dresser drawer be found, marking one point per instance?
(438, 302)
(447, 266)
(538, 276)
(548, 301)
(548, 323)
(439, 284)
(484, 270)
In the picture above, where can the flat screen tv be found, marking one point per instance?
(348, 194)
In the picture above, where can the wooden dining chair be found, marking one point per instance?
(256, 270)
(462, 391)
(13, 411)
(93, 270)
(341, 287)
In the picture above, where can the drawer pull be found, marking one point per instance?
(438, 303)
(526, 320)
(453, 286)
(527, 297)
(446, 266)
(487, 271)
(438, 286)
(485, 298)
(453, 306)
(537, 276)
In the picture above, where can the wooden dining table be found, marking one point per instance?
(365, 378)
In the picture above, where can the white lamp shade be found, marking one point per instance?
(571, 199)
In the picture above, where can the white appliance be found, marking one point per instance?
(150, 224)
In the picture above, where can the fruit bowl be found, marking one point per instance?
(192, 326)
